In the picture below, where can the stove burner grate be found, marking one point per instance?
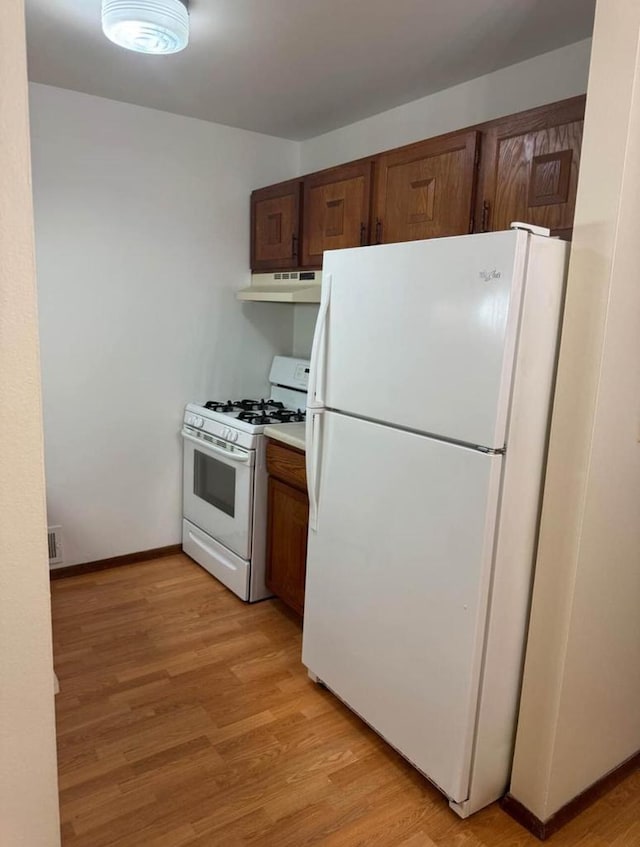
(217, 406)
(249, 416)
(271, 416)
(289, 416)
(261, 405)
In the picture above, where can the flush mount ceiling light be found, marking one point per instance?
(146, 26)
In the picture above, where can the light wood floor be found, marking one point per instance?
(186, 718)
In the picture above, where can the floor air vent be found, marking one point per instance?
(55, 545)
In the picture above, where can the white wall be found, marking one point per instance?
(142, 237)
(304, 323)
(544, 79)
(580, 710)
(28, 779)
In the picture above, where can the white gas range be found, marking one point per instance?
(225, 478)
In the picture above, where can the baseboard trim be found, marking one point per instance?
(115, 562)
(524, 817)
(544, 829)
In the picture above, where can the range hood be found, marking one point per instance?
(284, 287)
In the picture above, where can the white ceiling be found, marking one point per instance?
(298, 68)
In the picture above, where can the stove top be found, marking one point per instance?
(255, 412)
(242, 422)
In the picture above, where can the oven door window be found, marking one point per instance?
(215, 482)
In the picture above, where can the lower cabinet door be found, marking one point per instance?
(287, 543)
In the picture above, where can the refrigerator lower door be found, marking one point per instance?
(398, 577)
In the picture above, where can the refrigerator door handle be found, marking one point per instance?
(318, 349)
(312, 460)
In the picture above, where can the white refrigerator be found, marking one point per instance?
(431, 379)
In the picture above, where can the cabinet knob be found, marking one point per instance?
(294, 245)
(378, 231)
(363, 235)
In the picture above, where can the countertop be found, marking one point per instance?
(288, 433)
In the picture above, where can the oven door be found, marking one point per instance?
(218, 489)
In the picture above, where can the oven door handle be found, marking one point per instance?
(206, 445)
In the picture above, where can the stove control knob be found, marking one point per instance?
(198, 422)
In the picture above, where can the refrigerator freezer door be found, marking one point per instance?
(434, 322)
(398, 576)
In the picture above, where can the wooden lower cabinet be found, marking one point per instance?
(287, 524)
(287, 543)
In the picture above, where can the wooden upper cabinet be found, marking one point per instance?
(275, 226)
(530, 168)
(519, 168)
(426, 190)
(336, 210)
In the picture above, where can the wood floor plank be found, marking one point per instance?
(186, 719)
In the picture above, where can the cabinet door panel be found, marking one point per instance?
(288, 518)
(275, 226)
(287, 464)
(530, 166)
(336, 210)
(537, 177)
(426, 190)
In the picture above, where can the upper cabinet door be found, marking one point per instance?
(275, 226)
(336, 210)
(530, 169)
(426, 190)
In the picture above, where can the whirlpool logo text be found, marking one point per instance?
(487, 276)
